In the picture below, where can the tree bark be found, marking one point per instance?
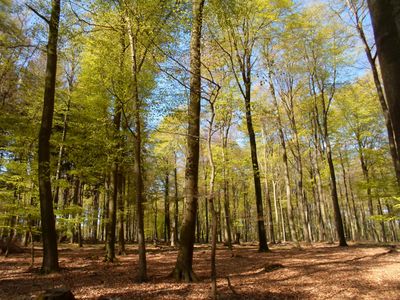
(385, 17)
(183, 268)
(378, 85)
(49, 236)
(262, 237)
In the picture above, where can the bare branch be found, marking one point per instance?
(38, 14)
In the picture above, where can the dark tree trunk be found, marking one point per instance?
(263, 246)
(183, 267)
(378, 85)
(385, 16)
(50, 253)
(111, 215)
(335, 198)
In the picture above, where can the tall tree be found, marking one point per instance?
(50, 253)
(386, 23)
(242, 33)
(183, 268)
(358, 11)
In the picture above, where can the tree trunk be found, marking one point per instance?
(174, 237)
(267, 194)
(138, 165)
(335, 199)
(365, 172)
(354, 232)
(386, 24)
(228, 231)
(111, 215)
(167, 222)
(263, 246)
(49, 236)
(183, 268)
(121, 213)
(285, 161)
(95, 214)
(378, 85)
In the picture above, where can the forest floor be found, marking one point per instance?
(320, 271)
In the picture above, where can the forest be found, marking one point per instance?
(199, 149)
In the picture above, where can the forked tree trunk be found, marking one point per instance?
(49, 236)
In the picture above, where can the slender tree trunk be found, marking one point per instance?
(174, 237)
(211, 198)
(49, 236)
(267, 193)
(278, 219)
(228, 231)
(61, 151)
(354, 232)
(111, 214)
(383, 229)
(285, 161)
(183, 268)
(262, 237)
(328, 153)
(138, 165)
(121, 213)
(335, 199)
(95, 214)
(206, 205)
(366, 175)
(167, 222)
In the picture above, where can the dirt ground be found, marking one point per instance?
(315, 272)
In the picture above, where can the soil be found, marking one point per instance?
(320, 271)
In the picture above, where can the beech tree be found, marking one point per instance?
(385, 21)
(50, 253)
(183, 268)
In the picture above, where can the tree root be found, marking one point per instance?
(184, 275)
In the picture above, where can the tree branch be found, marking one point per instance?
(38, 14)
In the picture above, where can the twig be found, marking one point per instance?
(230, 286)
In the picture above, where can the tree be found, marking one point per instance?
(183, 267)
(358, 11)
(50, 253)
(386, 24)
(323, 61)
